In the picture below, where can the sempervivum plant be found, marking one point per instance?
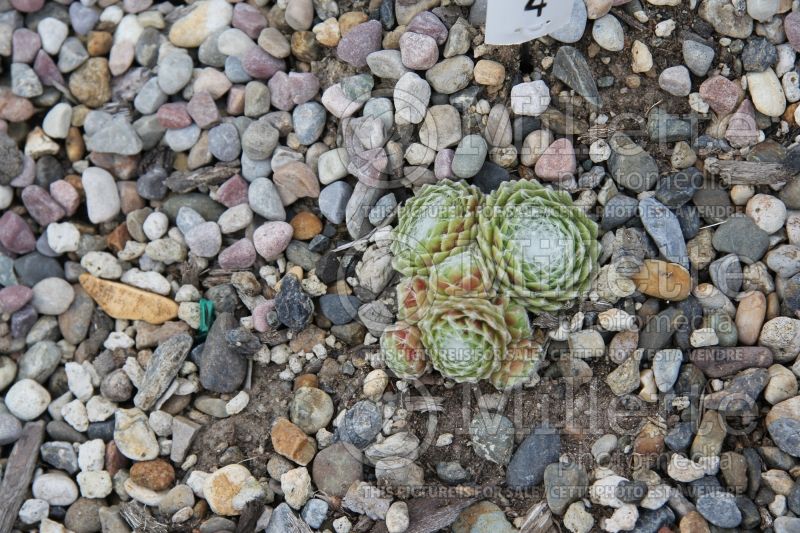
(403, 351)
(522, 360)
(465, 338)
(541, 249)
(442, 219)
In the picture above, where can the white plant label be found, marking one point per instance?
(517, 21)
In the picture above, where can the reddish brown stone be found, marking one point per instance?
(117, 239)
(156, 475)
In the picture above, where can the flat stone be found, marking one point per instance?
(221, 370)
(540, 448)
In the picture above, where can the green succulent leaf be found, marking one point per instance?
(462, 274)
(465, 338)
(523, 358)
(441, 220)
(403, 352)
(542, 250)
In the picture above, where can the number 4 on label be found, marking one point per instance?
(537, 5)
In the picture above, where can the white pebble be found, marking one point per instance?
(155, 225)
(26, 399)
(63, 237)
(530, 99)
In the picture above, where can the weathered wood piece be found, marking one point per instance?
(748, 172)
(18, 473)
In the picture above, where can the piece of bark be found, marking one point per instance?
(748, 172)
(182, 181)
(18, 473)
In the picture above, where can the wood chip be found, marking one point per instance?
(18, 473)
(748, 172)
(129, 303)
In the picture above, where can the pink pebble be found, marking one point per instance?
(557, 162)
(14, 298)
(25, 44)
(360, 42)
(27, 6)
(261, 65)
(429, 24)
(66, 195)
(16, 235)
(41, 206)
(238, 255)
(173, 116)
(203, 109)
(249, 19)
(443, 164)
(272, 238)
(233, 192)
(260, 314)
(721, 94)
(46, 69)
(791, 25)
(27, 175)
(418, 51)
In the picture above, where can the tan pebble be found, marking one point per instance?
(306, 380)
(327, 32)
(773, 306)
(660, 279)
(694, 522)
(642, 59)
(99, 43)
(750, 316)
(74, 144)
(351, 19)
(488, 72)
(129, 303)
(291, 442)
(220, 488)
(782, 384)
(306, 225)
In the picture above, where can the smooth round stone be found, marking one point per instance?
(274, 42)
(174, 72)
(418, 51)
(607, 32)
(311, 409)
(234, 42)
(204, 240)
(299, 14)
(57, 121)
(193, 28)
(272, 238)
(235, 219)
(429, 24)
(223, 142)
(52, 32)
(239, 255)
(182, 139)
(443, 164)
(10, 429)
(720, 509)
(557, 162)
(264, 200)
(676, 81)
(259, 140)
(470, 156)
(249, 19)
(768, 212)
(155, 225)
(530, 99)
(309, 122)
(451, 75)
(52, 296)
(698, 57)
(26, 399)
(766, 92)
(411, 96)
(55, 488)
(102, 195)
(14, 298)
(791, 25)
(333, 201)
(386, 64)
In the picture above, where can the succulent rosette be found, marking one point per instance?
(522, 360)
(403, 352)
(542, 250)
(465, 338)
(516, 317)
(462, 274)
(413, 299)
(441, 220)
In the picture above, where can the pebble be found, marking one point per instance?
(418, 51)
(102, 196)
(451, 75)
(469, 156)
(333, 201)
(572, 31)
(607, 32)
(26, 399)
(361, 424)
(530, 99)
(766, 92)
(359, 42)
(540, 448)
(55, 488)
(676, 81)
(720, 509)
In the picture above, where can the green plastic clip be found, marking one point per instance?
(206, 318)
